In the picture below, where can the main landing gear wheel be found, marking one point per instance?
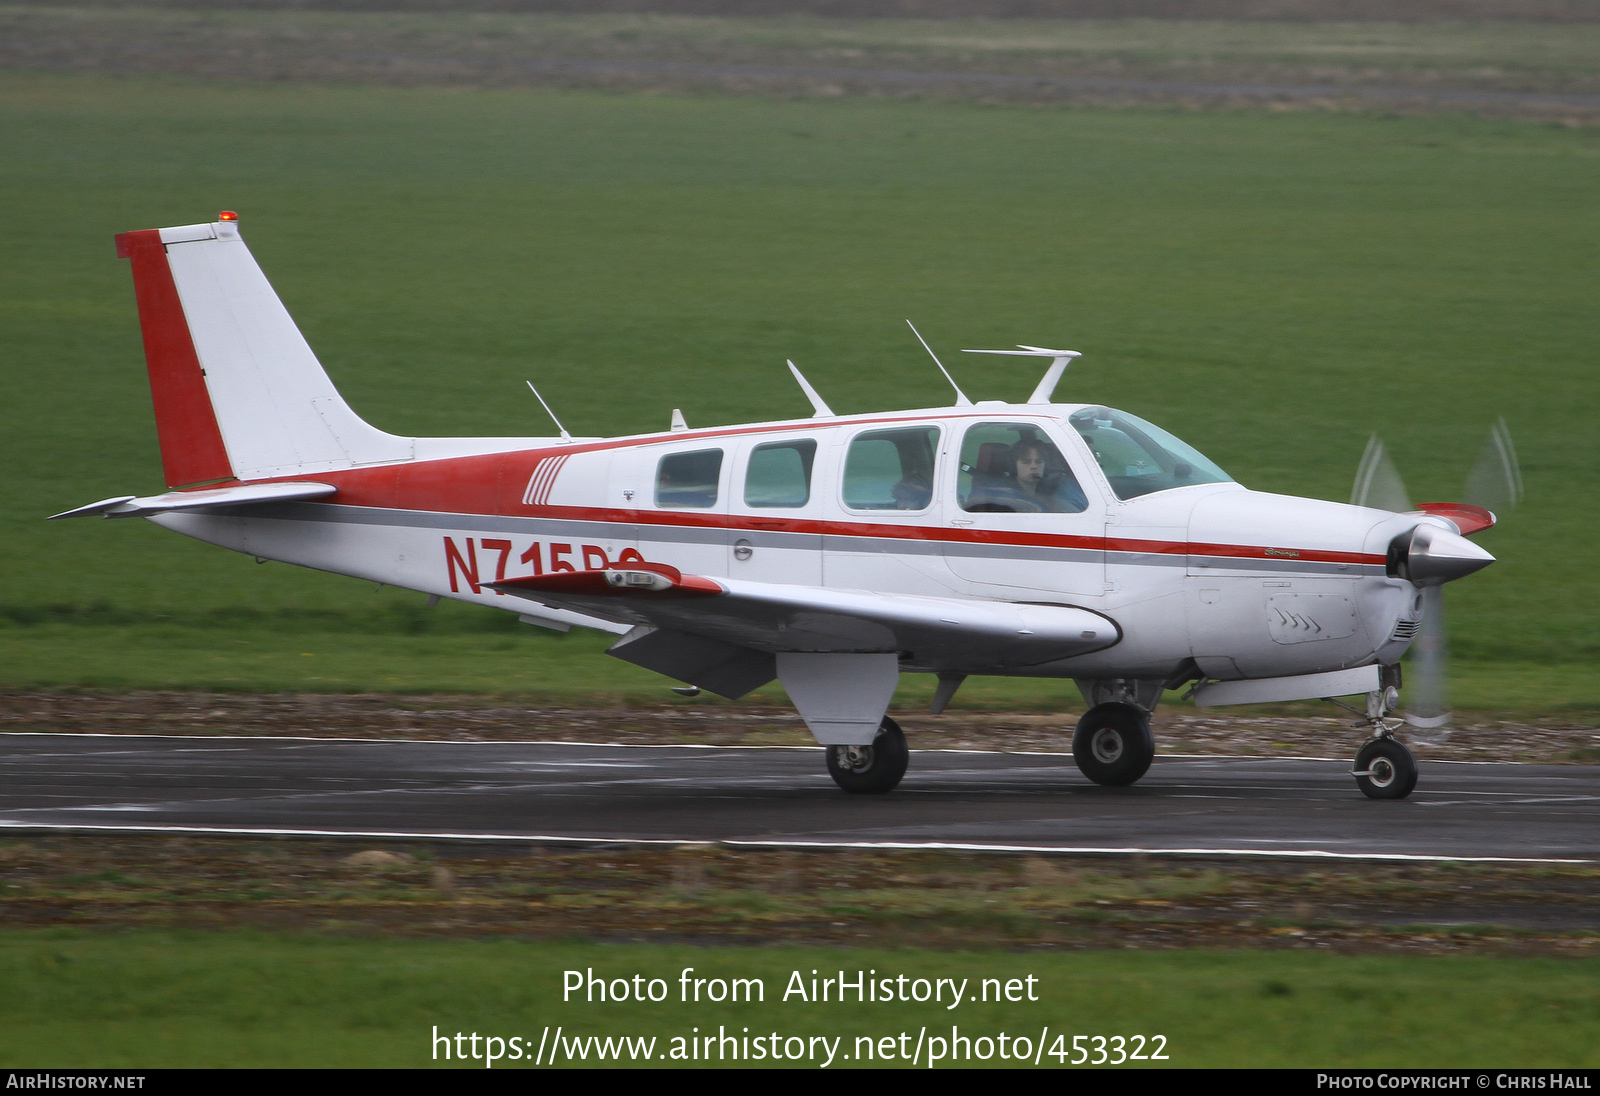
(874, 769)
(1385, 769)
(1113, 744)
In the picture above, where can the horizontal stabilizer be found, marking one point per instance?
(246, 494)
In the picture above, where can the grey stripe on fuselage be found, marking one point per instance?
(767, 538)
(1273, 566)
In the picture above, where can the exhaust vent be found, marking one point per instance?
(1406, 629)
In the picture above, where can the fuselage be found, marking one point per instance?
(1192, 568)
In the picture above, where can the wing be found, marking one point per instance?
(722, 633)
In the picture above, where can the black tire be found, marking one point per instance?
(1113, 744)
(874, 769)
(1385, 770)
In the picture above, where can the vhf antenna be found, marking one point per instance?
(961, 397)
(564, 435)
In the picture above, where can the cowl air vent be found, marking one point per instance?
(1307, 618)
(1406, 629)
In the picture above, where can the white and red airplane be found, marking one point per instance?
(833, 552)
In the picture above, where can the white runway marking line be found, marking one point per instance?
(114, 808)
(317, 739)
(559, 766)
(766, 843)
(563, 787)
(1505, 800)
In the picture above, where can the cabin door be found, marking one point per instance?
(1021, 522)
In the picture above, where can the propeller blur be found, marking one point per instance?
(1493, 489)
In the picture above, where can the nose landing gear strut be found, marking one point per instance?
(1384, 768)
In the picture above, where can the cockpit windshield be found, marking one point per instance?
(1139, 457)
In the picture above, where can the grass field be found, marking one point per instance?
(1274, 287)
(446, 42)
(243, 999)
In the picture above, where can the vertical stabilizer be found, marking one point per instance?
(237, 391)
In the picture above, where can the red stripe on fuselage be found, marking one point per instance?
(191, 443)
(494, 485)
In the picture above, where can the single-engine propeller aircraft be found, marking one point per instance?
(831, 552)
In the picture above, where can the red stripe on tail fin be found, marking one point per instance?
(191, 444)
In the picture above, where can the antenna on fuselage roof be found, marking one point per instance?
(961, 397)
(564, 435)
(818, 406)
(1052, 376)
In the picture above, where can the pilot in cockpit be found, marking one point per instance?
(1044, 478)
(1027, 477)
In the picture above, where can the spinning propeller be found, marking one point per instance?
(1430, 556)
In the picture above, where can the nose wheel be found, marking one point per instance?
(874, 769)
(1385, 769)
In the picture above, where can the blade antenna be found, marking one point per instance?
(818, 405)
(1059, 360)
(1052, 376)
(961, 397)
(564, 435)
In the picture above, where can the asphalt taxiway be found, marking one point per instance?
(581, 793)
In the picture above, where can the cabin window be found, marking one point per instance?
(686, 481)
(891, 469)
(1139, 457)
(779, 474)
(1013, 468)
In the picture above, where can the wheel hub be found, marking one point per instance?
(1107, 745)
(858, 759)
(1381, 772)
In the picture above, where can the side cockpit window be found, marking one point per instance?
(779, 474)
(1013, 468)
(686, 481)
(891, 469)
